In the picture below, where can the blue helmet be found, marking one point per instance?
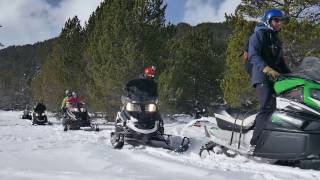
(271, 14)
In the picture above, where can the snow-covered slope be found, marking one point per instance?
(46, 152)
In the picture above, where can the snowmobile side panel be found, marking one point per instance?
(287, 145)
(310, 97)
(294, 122)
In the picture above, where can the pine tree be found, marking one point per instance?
(64, 67)
(194, 66)
(296, 42)
(296, 9)
(236, 83)
(127, 37)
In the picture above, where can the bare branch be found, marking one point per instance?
(277, 3)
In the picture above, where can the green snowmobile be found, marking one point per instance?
(292, 133)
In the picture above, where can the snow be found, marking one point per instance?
(46, 152)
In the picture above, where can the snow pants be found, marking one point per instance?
(267, 105)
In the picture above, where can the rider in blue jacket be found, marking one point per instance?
(266, 58)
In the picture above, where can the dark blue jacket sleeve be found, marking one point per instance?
(255, 48)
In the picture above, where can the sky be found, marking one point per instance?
(30, 21)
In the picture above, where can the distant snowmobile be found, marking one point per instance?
(139, 121)
(292, 133)
(77, 116)
(39, 116)
(198, 112)
(26, 114)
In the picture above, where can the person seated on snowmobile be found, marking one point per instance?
(40, 107)
(65, 102)
(266, 57)
(73, 100)
(26, 113)
(27, 109)
(197, 111)
(144, 84)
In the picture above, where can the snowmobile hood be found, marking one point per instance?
(301, 90)
(308, 73)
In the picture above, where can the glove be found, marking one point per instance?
(271, 72)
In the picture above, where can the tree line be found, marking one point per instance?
(200, 62)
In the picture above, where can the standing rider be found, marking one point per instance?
(266, 57)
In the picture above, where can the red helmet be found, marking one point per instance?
(150, 71)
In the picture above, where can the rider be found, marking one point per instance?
(40, 107)
(146, 83)
(65, 102)
(266, 57)
(73, 100)
(197, 111)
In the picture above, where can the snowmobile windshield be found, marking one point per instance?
(40, 108)
(142, 90)
(309, 69)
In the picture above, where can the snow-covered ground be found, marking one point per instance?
(46, 152)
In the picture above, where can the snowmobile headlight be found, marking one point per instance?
(42, 114)
(151, 108)
(75, 109)
(133, 107)
(82, 109)
(37, 114)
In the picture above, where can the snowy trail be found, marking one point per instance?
(46, 152)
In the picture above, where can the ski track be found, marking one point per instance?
(46, 152)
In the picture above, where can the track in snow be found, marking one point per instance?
(47, 152)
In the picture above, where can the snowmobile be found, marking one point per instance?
(40, 118)
(139, 121)
(292, 133)
(76, 116)
(26, 114)
(198, 112)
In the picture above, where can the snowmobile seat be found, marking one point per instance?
(234, 119)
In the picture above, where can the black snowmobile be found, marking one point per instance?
(76, 116)
(198, 111)
(139, 120)
(39, 116)
(26, 114)
(292, 133)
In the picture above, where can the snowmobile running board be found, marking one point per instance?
(225, 148)
(184, 145)
(154, 142)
